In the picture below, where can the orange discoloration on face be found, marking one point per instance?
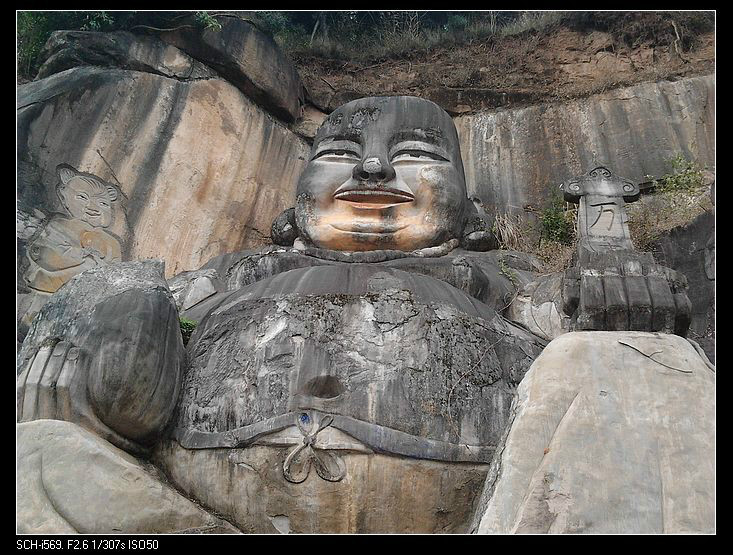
(393, 180)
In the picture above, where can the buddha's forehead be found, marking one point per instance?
(390, 120)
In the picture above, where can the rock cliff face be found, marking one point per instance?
(690, 249)
(514, 158)
(417, 397)
(203, 167)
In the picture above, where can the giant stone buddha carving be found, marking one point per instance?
(358, 375)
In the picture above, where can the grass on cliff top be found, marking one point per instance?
(374, 36)
(369, 36)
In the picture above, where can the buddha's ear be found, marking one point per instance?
(66, 172)
(477, 234)
(284, 230)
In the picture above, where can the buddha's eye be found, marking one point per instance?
(82, 196)
(104, 203)
(337, 153)
(416, 156)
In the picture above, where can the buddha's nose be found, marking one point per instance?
(373, 168)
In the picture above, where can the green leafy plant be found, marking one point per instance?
(557, 222)
(207, 21)
(187, 328)
(508, 272)
(97, 21)
(686, 176)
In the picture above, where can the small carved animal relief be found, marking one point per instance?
(75, 240)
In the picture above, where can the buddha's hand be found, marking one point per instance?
(106, 353)
(633, 293)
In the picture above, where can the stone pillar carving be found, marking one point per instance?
(612, 286)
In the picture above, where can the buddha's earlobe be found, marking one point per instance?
(477, 234)
(284, 230)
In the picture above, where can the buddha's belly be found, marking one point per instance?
(345, 399)
(377, 493)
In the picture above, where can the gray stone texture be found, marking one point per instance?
(389, 348)
(514, 158)
(248, 59)
(611, 432)
(612, 286)
(123, 50)
(538, 307)
(690, 250)
(71, 481)
(201, 165)
(105, 352)
(191, 288)
(380, 493)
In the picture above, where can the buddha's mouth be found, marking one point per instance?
(372, 199)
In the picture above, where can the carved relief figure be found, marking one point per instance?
(77, 240)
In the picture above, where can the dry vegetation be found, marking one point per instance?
(678, 198)
(548, 235)
(537, 57)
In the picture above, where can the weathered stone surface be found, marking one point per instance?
(385, 173)
(87, 229)
(190, 288)
(68, 49)
(71, 481)
(491, 277)
(405, 376)
(248, 59)
(334, 339)
(308, 125)
(514, 158)
(611, 432)
(690, 250)
(538, 307)
(201, 165)
(457, 101)
(105, 352)
(379, 494)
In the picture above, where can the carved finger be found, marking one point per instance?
(617, 305)
(592, 308)
(640, 303)
(31, 383)
(683, 315)
(47, 386)
(570, 291)
(663, 305)
(68, 386)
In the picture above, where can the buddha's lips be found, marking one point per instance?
(369, 228)
(374, 198)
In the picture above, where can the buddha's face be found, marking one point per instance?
(385, 173)
(88, 201)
